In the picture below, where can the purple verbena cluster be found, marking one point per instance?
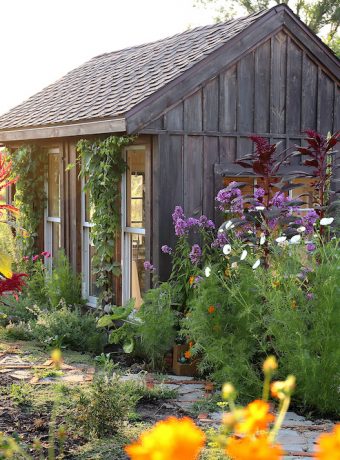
(183, 224)
(220, 240)
(166, 249)
(230, 199)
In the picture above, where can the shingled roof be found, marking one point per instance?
(109, 85)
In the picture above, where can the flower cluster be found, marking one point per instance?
(148, 266)
(183, 225)
(230, 199)
(13, 284)
(195, 254)
(36, 257)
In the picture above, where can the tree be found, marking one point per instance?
(322, 16)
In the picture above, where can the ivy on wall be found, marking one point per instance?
(102, 166)
(29, 163)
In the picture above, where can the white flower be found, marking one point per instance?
(220, 230)
(259, 208)
(234, 265)
(228, 225)
(281, 239)
(295, 239)
(256, 264)
(326, 220)
(301, 229)
(244, 254)
(262, 239)
(226, 249)
(207, 271)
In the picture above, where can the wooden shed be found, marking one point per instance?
(193, 99)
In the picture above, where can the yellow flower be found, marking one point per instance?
(169, 439)
(281, 389)
(191, 280)
(329, 445)
(270, 365)
(256, 418)
(57, 358)
(254, 448)
(276, 284)
(293, 304)
(228, 391)
(211, 309)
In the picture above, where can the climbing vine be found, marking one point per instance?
(102, 166)
(29, 164)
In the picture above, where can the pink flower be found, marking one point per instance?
(46, 254)
(35, 258)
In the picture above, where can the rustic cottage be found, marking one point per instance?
(193, 100)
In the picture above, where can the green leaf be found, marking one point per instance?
(129, 345)
(105, 321)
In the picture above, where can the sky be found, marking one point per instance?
(41, 40)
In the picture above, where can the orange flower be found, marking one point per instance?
(191, 280)
(169, 439)
(255, 448)
(211, 309)
(276, 284)
(187, 354)
(293, 304)
(256, 418)
(329, 445)
(191, 344)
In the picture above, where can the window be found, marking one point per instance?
(133, 239)
(90, 290)
(52, 211)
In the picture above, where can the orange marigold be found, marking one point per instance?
(187, 354)
(169, 439)
(211, 309)
(254, 448)
(191, 280)
(256, 418)
(329, 445)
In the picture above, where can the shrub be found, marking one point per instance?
(157, 329)
(102, 408)
(225, 324)
(304, 323)
(69, 327)
(63, 283)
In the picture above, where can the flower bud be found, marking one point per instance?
(270, 365)
(228, 391)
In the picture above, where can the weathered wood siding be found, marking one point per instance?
(278, 91)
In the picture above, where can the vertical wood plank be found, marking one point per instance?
(278, 83)
(155, 200)
(210, 105)
(227, 147)
(211, 156)
(245, 93)
(294, 90)
(228, 100)
(244, 147)
(193, 172)
(193, 113)
(262, 88)
(326, 95)
(156, 124)
(174, 118)
(309, 94)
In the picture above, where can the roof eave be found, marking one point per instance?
(114, 125)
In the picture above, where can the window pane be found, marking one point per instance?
(137, 268)
(93, 289)
(53, 185)
(135, 189)
(56, 238)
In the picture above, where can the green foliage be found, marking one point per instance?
(30, 165)
(7, 245)
(102, 168)
(158, 321)
(229, 336)
(72, 328)
(63, 283)
(21, 394)
(102, 409)
(304, 322)
(19, 331)
(316, 13)
(15, 309)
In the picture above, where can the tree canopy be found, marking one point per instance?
(322, 16)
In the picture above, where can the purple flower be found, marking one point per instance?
(180, 227)
(204, 222)
(220, 241)
(177, 214)
(278, 200)
(192, 222)
(230, 199)
(309, 220)
(310, 296)
(259, 193)
(311, 247)
(148, 266)
(197, 281)
(166, 249)
(195, 254)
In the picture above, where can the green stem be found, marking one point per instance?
(266, 387)
(279, 420)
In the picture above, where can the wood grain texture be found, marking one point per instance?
(245, 93)
(211, 105)
(211, 157)
(278, 83)
(228, 100)
(193, 118)
(193, 175)
(294, 88)
(262, 88)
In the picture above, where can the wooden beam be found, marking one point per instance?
(77, 129)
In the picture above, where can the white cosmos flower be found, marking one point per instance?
(301, 229)
(281, 239)
(262, 240)
(259, 208)
(234, 265)
(226, 249)
(207, 271)
(244, 254)
(326, 220)
(256, 264)
(295, 239)
(228, 225)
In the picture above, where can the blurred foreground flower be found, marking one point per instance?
(254, 448)
(329, 445)
(171, 439)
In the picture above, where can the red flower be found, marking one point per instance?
(16, 283)
(46, 254)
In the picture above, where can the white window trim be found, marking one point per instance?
(48, 220)
(126, 233)
(85, 235)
